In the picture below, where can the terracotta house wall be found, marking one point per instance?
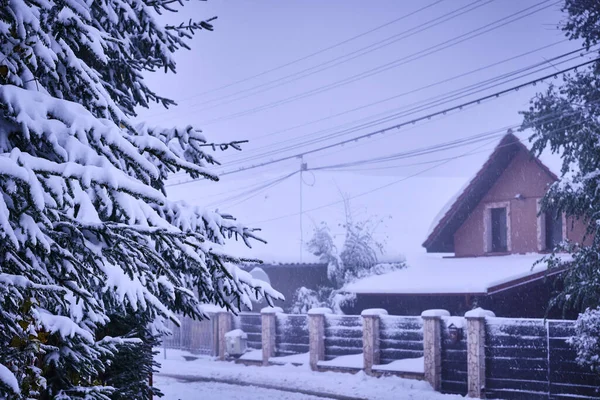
(525, 177)
(576, 231)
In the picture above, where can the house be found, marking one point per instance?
(483, 247)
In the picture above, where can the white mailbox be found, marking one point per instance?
(235, 342)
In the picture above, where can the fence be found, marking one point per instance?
(250, 323)
(454, 375)
(343, 336)
(197, 337)
(477, 355)
(291, 335)
(400, 338)
(532, 358)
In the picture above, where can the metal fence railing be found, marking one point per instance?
(197, 337)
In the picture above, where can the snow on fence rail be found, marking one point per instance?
(531, 358)
(291, 334)
(343, 335)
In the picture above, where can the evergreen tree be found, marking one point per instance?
(566, 119)
(94, 257)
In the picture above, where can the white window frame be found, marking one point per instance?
(541, 226)
(487, 225)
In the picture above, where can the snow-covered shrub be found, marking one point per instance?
(305, 299)
(586, 340)
(335, 299)
(339, 299)
(358, 259)
(321, 245)
(360, 250)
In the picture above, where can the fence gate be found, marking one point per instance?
(197, 337)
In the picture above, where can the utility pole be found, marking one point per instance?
(303, 167)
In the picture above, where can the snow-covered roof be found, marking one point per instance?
(432, 273)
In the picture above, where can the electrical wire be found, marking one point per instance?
(242, 190)
(420, 152)
(412, 91)
(306, 57)
(397, 126)
(264, 189)
(266, 86)
(415, 120)
(448, 160)
(263, 186)
(421, 172)
(396, 63)
(488, 137)
(419, 107)
(406, 154)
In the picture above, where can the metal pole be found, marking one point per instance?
(301, 228)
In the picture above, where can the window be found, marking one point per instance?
(554, 230)
(496, 227)
(551, 229)
(499, 230)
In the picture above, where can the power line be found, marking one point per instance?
(306, 57)
(366, 192)
(406, 154)
(240, 191)
(410, 122)
(343, 58)
(255, 192)
(420, 152)
(488, 137)
(415, 90)
(429, 103)
(448, 160)
(396, 63)
(415, 120)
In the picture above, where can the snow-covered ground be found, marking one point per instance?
(285, 377)
(175, 389)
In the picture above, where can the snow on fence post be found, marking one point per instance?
(432, 346)
(371, 355)
(316, 335)
(224, 326)
(476, 351)
(269, 320)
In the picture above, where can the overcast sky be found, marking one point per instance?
(218, 91)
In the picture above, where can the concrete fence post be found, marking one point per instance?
(224, 320)
(476, 351)
(371, 324)
(316, 335)
(432, 346)
(268, 334)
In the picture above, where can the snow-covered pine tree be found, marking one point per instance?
(93, 256)
(566, 119)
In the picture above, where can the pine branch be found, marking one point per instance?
(189, 29)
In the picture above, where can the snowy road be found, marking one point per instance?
(203, 377)
(181, 390)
